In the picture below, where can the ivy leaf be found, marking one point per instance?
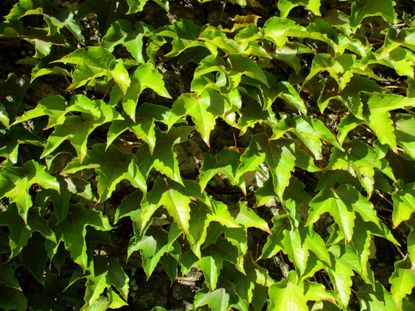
(15, 183)
(112, 166)
(217, 300)
(203, 109)
(405, 125)
(280, 158)
(330, 201)
(250, 159)
(366, 8)
(94, 62)
(242, 65)
(311, 131)
(121, 76)
(402, 281)
(341, 276)
(248, 218)
(210, 266)
(143, 128)
(286, 296)
(379, 117)
(95, 286)
(145, 76)
(52, 106)
(130, 36)
(175, 202)
(19, 231)
(285, 6)
(225, 162)
(403, 203)
(153, 247)
(288, 93)
(93, 114)
(72, 231)
(136, 5)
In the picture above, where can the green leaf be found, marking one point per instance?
(16, 182)
(339, 204)
(248, 218)
(136, 6)
(52, 106)
(210, 266)
(402, 281)
(94, 114)
(12, 299)
(122, 32)
(203, 109)
(285, 6)
(112, 166)
(242, 65)
(286, 296)
(280, 157)
(95, 62)
(217, 300)
(143, 128)
(403, 203)
(341, 276)
(366, 8)
(73, 231)
(225, 162)
(311, 132)
(145, 76)
(379, 117)
(95, 286)
(405, 133)
(288, 93)
(175, 202)
(19, 231)
(153, 247)
(121, 76)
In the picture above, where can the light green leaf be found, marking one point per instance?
(112, 166)
(402, 281)
(95, 286)
(285, 6)
(286, 296)
(143, 128)
(242, 65)
(15, 183)
(280, 157)
(366, 8)
(91, 63)
(379, 117)
(341, 276)
(145, 76)
(248, 218)
(332, 202)
(72, 231)
(122, 32)
(120, 76)
(52, 106)
(403, 203)
(225, 162)
(210, 266)
(288, 93)
(94, 114)
(218, 300)
(405, 133)
(203, 109)
(153, 247)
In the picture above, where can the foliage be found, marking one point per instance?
(268, 145)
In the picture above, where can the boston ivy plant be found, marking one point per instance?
(259, 154)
